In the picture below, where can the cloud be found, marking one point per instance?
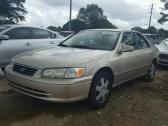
(123, 13)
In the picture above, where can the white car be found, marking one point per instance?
(15, 39)
(163, 53)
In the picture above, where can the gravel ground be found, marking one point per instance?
(133, 104)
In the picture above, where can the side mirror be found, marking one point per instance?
(125, 48)
(4, 37)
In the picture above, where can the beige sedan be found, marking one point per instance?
(85, 66)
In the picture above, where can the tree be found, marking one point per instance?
(162, 33)
(77, 25)
(93, 17)
(139, 29)
(164, 14)
(150, 30)
(12, 9)
(52, 28)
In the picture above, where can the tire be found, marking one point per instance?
(100, 90)
(151, 73)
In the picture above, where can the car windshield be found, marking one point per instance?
(2, 28)
(92, 39)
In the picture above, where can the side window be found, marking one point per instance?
(140, 41)
(128, 39)
(39, 34)
(18, 33)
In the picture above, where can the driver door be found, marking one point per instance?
(128, 62)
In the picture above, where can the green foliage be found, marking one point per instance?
(76, 25)
(53, 28)
(93, 17)
(12, 9)
(164, 15)
(150, 30)
(160, 33)
(139, 29)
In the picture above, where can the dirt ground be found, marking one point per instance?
(133, 104)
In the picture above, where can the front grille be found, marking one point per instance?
(25, 70)
(163, 56)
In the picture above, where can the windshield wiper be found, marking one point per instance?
(63, 45)
(81, 46)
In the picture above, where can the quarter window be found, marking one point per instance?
(18, 33)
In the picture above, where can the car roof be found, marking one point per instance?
(20, 25)
(117, 30)
(29, 26)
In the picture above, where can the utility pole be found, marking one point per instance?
(70, 15)
(150, 18)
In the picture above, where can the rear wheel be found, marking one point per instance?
(100, 90)
(151, 73)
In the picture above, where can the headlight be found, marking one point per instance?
(68, 73)
(54, 73)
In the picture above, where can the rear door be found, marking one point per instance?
(42, 38)
(18, 42)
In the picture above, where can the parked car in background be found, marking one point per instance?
(163, 53)
(85, 66)
(15, 39)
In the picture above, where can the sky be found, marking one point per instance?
(125, 14)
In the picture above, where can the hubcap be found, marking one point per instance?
(102, 90)
(152, 71)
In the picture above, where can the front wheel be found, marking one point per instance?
(100, 90)
(151, 73)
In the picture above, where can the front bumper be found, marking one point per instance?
(62, 90)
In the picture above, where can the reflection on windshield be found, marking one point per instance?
(93, 39)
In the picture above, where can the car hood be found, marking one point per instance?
(162, 49)
(57, 57)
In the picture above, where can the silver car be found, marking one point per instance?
(163, 53)
(85, 66)
(15, 39)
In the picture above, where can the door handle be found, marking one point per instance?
(28, 44)
(52, 42)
